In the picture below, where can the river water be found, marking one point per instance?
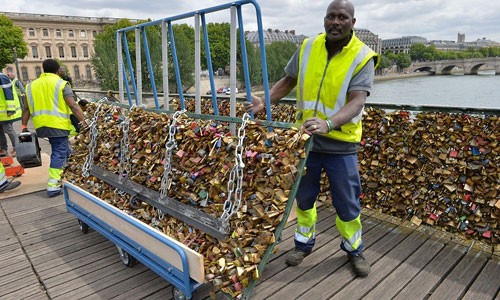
(467, 91)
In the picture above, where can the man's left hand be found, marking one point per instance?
(315, 125)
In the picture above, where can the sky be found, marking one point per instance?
(431, 19)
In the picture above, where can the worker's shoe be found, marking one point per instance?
(295, 257)
(360, 266)
(54, 193)
(7, 186)
(3, 153)
(13, 153)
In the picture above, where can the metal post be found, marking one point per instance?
(197, 62)
(232, 69)
(121, 69)
(17, 65)
(138, 67)
(164, 58)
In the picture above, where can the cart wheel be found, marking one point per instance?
(178, 294)
(83, 227)
(126, 258)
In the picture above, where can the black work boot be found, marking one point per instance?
(9, 186)
(360, 266)
(295, 257)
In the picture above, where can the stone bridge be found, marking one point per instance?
(469, 66)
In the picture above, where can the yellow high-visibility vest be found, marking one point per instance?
(322, 84)
(46, 102)
(9, 105)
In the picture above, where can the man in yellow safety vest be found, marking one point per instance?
(49, 103)
(334, 74)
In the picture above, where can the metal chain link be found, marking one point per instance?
(125, 167)
(170, 145)
(235, 183)
(93, 132)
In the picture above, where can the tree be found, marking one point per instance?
(105, 62)
(10, 36)
(403, 60)
(277, 55)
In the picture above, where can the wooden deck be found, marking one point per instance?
(44, 255)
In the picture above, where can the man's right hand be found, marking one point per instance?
(255, 106)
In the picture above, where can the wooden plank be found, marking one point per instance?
(455, 283)
(323, 260)
(32, 292)
(93, 288)
(20, 287)
(164, 294)
(485, 286)
(72, 240)
(63, 263)
(145, 290)
(127, 284)
(429, 277)
(380, 240)
(383, 267)
(404, 273)
(140, 233)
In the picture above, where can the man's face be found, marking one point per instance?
(338, 21)
(11, 76)
(61, 72)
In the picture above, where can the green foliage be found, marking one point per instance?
(403, 60)
(277, 55)
(105, 62)
(10, 36)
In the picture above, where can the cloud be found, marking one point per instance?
(432, 19)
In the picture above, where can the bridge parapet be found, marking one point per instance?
(470, 65)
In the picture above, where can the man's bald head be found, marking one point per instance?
(345, 4)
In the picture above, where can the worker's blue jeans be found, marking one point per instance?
(60, 151)
(345, 187)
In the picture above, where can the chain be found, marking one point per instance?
(125, 167)
(234, 185)
(93, 132)
(170, 145)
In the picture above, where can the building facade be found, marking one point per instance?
(69, 39)
(402, 44)
(270, 35)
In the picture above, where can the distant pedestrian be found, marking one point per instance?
(10, 111)
(50, 103)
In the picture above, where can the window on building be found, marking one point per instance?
(71, 33)
(61, 51)
(94, 34)
(85, 51)
(45, 32)
(48, 52)
(83, 33)
(58, 33)
(24, 73)
(34, 51)
(88, 70)
(38, 71)
(31, 32)
(76, 72)
(73, 51)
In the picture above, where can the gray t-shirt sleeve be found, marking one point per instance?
(67, 91)
(292, 68)
(363, 81)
